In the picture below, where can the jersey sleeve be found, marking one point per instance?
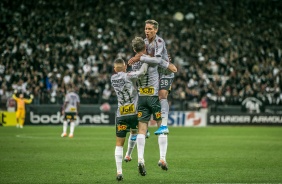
(154, 60)
(136, 74)
(160, 47)
(28, 101)
(67, 99)
(15, 97)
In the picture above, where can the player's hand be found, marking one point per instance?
(31, 96)
(169, 58)
(134, 59)
(172, 68)
(15, 91)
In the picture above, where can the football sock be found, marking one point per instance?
(72, 125)
(164, 110)
(118, 157)
(140, 147)
(130, 146)
(65, 127)
(163, 142)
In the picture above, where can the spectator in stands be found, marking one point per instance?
(222, 46)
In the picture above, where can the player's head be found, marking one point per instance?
(138, 44)
(151, 29)
(21, 95)
(70, 88)
(119, 65)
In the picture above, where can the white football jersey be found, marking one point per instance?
(148, 85)
(157, 48)
(71, 101)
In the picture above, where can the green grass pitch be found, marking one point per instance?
(226, 154)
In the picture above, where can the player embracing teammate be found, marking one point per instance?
(153, 91)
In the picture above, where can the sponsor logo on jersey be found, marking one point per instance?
(158, 115)
(147, 91)
(121, 127)
(127, 109)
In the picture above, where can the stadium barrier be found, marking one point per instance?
(8, 118)
(92, 115)
(244, 119)
(51, 115)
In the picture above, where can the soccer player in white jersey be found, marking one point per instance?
(70, 111)
(124, 85)
(155, 47)
(148, 102)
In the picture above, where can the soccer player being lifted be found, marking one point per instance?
(148, 102)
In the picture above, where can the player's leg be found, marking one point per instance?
(163, 143)
(163, 128)
(65, 126)
(18, 118)
(118, 156)
(21, 118)
(130, 145)
(162, 138)
(120, 139)
(72, 124)
(133, 124)
(165, 87)
(141, 140)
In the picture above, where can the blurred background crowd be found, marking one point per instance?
(225, 50)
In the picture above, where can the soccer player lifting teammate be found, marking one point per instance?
(155, 46)
(124, 85)
(148, 102)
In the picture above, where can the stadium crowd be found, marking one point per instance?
(224, 50)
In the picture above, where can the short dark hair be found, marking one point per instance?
(138, 44)
(153, 22)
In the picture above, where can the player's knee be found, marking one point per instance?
(162, 97)
(163, 94)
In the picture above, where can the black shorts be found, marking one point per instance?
(125, 123)
(147, 106)
(165, 83)
(70, 116)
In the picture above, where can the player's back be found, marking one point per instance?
(126, 92)
(148, 85)
(71, 99)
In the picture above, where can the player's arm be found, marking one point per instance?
(15, 96)
(136, 74)
(134, 59)
(28, 101)
(158, 60)
(64, 107)
(77, 107)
